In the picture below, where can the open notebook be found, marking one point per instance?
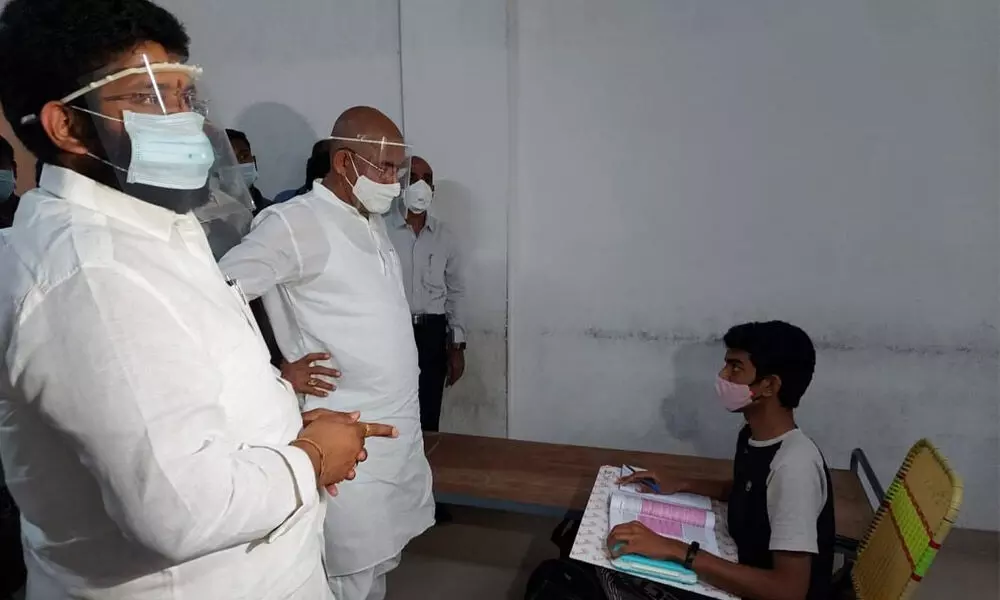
(684, 517)
(689, 515)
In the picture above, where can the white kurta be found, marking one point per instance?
(143, 435)
(331, 283)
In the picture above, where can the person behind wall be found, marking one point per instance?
(435, 289)
(248, 167)
(331, 284)
(165, 460)
(780, 497)
(9, 199)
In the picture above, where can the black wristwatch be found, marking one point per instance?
(693, 549)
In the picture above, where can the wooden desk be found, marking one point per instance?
(554, 479)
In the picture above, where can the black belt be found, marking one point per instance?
(426, 319)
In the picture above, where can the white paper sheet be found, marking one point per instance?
(591, 541)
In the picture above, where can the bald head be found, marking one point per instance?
(364, 143)
(364, 123)
(365, 132)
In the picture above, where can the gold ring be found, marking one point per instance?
(312, 383)
(367, 429)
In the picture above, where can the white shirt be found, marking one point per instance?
(142, 433)
(432, 269)
(796, 492)
(331, 283)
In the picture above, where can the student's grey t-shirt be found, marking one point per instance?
(796, 492)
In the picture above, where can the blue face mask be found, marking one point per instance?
(7, 184)
(249, 173)
(168, 151)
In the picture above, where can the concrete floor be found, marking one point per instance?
(488, 555)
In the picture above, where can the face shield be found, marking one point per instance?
(144, 124)
(376, 168)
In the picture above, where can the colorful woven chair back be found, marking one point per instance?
(919, 510)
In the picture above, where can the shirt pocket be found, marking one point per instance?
(433, 272)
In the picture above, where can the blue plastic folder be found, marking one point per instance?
(660, 571)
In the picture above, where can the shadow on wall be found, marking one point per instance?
(477, 403)
(453, 205)
(282, 140)
(692, 414)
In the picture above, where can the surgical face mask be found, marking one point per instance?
(419, 197)
(249, 172)
(7, 184)
(167, 151)
(734, 396)
(375, 197)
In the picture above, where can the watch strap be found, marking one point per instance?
(692, 552)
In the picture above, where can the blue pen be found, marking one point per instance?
(647, 482)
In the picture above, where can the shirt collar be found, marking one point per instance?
(321, 191)
(398, 218)
(83, 191)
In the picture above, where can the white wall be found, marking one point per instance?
(670, 168)
(284, 71)
(455, 96)
(686, 165)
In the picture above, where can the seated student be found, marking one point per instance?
(780, 497)
(248, 165)
(8, 183)
(317, 167)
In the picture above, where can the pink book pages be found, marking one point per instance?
(671, 529)
(671, 512)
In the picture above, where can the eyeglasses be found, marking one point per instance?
(181, 100)
(397, 173)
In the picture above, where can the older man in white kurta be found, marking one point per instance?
(331, 282)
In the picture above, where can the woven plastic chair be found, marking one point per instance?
(913, 520)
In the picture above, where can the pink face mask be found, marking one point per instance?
(733, 395)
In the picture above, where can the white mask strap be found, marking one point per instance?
(112, 165)
(96, 114)
(357, 175)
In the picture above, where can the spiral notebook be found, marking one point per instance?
(684, 516)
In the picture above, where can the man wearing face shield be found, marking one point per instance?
(150, 447)
(331, 283)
